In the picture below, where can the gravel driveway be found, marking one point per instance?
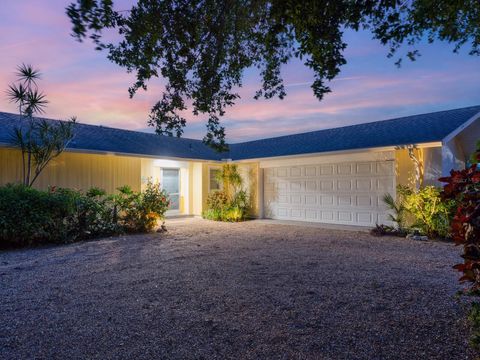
(208, 290)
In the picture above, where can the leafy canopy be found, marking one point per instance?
(202, 47)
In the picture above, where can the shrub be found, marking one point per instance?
(397, 215)
(95, 214)
(382, 230)
(217, 200)
(430, 212)
(231, 203)
(31, 217)
(141, 211)
(464, 187)
(28, 216)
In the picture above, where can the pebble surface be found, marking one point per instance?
(208, 290)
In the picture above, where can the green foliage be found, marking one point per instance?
(432, 215)
(231, 180)
(31, 217)
(202, 47)
(231, 203)
(141, 211)
(39, 140)
(217, 200)
(474, 319)
(463, 187)
(397, 212)
(474, 158)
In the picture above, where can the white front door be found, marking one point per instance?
(338, 193)
(171, 184)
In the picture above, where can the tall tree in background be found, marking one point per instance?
(39, 140)
(202, 47)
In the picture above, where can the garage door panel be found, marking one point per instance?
(310, 171)
(345, 193)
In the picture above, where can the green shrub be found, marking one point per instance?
(431, 214)
(95, 214)
(141, 211)
(474, 320)
(217, 200)
(31, 217)
(423, 211)
(230, 204)
(213, 214)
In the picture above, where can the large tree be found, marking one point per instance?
(201, 47)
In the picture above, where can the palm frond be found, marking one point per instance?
(27, 74)
(17, 93)
(35, 103)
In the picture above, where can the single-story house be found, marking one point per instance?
(333, 176)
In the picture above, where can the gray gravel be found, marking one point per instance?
(210, 290)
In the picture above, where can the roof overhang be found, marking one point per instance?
(112, 153)
(343, 152)
(326, 153)
(462, 127)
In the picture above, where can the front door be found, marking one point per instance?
(171, 184)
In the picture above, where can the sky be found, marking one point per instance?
(82, 82)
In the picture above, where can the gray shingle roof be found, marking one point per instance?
(106, 139)
(402, 131)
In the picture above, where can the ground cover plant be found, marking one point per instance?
(31, 217)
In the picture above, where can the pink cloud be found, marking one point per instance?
(80, 81)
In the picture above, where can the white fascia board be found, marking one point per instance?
(340, 152)
(462, 127)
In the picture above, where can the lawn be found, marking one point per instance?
(208, 290)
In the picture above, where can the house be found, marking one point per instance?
(334, 176)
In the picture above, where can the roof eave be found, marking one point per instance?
(346, 151)
(462, 127)
(116, 153)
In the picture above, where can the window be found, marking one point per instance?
(214, 183)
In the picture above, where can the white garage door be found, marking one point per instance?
(340, 193)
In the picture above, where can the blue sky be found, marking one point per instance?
(80, 81)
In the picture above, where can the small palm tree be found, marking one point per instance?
(39, 140)
(397, 214)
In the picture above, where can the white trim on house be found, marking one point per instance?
(340, 152)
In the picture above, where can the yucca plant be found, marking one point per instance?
(39, 140)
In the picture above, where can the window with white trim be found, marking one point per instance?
(214, 183)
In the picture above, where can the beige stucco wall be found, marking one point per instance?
(152, 169)
(76, 170)
(431, 160)
(82, 171)
(249, 173)
(195, 188)
(404, 168)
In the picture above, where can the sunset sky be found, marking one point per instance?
(80, 81)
